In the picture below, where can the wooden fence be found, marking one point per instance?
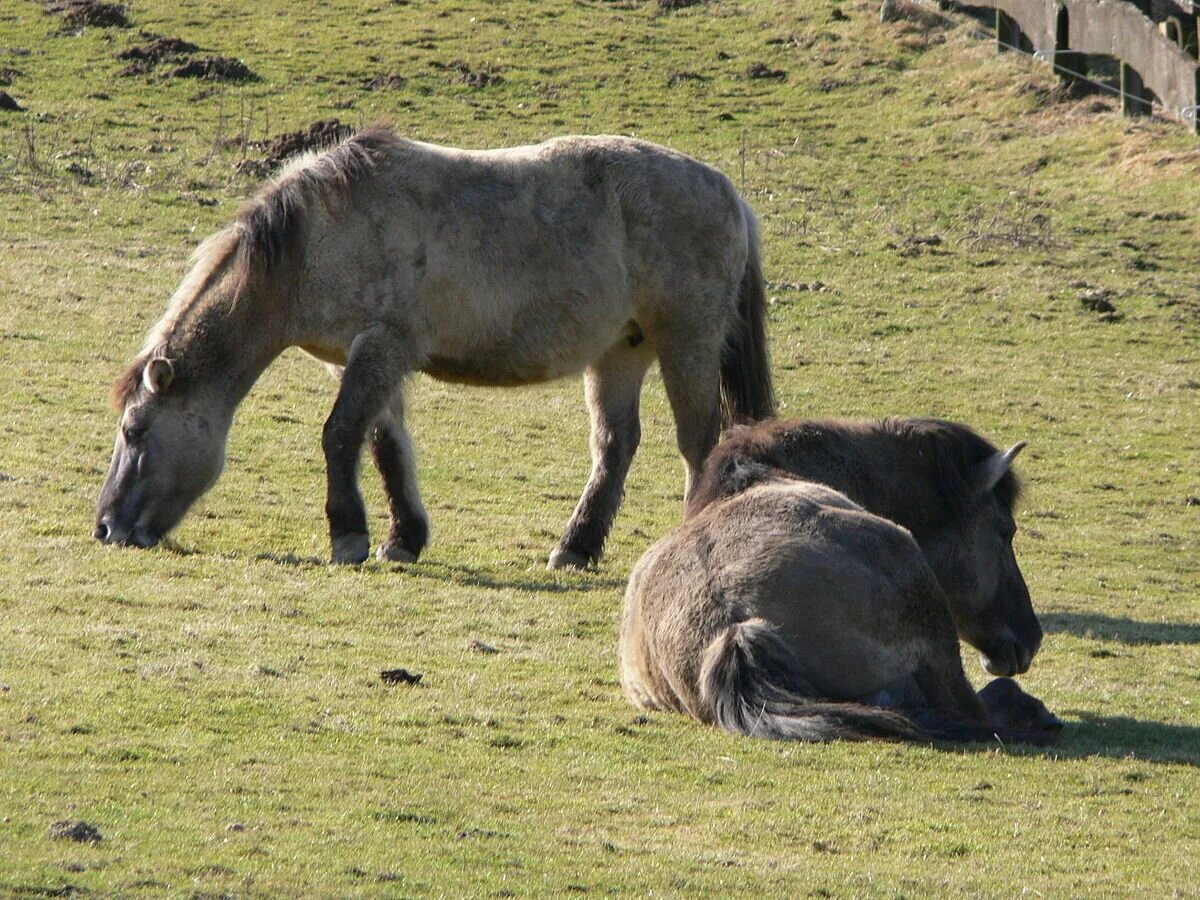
(1155, 41)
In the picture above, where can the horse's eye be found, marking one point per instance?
(134, 433)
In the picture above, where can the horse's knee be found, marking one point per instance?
(615, 447)
(334, 437)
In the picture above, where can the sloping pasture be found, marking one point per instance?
(944, 235)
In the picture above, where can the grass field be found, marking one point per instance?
(937, 225)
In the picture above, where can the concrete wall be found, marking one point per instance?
(1117, 28)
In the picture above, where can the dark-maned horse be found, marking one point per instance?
(508, 267)
(819, 583)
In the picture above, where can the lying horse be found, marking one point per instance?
(509, 267)
(818, 585)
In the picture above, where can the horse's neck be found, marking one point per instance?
(229, 344)
(880, 479)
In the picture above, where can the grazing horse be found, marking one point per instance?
(384, 257)
(820, 581)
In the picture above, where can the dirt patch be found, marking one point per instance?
(400, 676)
(1099, 301)
(75, 830)
(476, 78)
(319, 135)
(762, 70)
(389, 82)
(78, 14)
(8, 75)
(156, 49)
(144, 57)
(8, 103)
(671, 5)
(677, 78)
(216, 68)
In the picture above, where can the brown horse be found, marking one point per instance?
(384, 257)
(825, 608)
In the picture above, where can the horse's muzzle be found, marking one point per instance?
(109, 531)
(1010, 655)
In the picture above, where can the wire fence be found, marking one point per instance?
(1186, 114)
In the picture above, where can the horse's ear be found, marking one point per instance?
(989, 472)
(158, 374)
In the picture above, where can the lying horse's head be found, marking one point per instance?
(971, 552)
(170, 448)
(951, 488)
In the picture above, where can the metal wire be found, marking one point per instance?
(1187, 114)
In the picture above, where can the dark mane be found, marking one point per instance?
(850, 456)
(269, 228)
(954, 450)
(127, 382)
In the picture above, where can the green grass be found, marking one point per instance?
(215, 709)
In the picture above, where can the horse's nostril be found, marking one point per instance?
(101, 532)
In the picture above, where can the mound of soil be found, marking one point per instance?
(216, 68)
(75, 830)
(157, 49)
(88, 13)
(677, 78)
(388, 82)
(7, 102)
(762, 70)
(319, 135)
(476, 78)
(7, 75)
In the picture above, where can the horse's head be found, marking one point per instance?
(972, 556)
(170, 448)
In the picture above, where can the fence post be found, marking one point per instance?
(1067, 63)
(1133, 92)
(1195, 124)
(1005, 28)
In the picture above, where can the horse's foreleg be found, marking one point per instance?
(377, 362)
(612, 387)
(951, 709)
(392, 450)
(691, 376)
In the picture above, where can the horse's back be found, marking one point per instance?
(848, 591)
(528, 263)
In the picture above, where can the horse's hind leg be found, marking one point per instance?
(392, 450)
(691, 376)
(952, 710)
(613, 386)
(377, 363)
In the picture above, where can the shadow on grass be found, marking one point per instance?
(1121, 737)
(449, 573)
(551, 583)
(1127, 631)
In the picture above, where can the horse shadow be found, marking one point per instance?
(468, 576)
(1127, 631)
(1123, 737)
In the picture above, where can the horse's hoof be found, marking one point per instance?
(562, 558)
(351, 549)
(390, 552)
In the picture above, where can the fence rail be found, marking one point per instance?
(1155, 41)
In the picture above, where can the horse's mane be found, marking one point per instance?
(268, 228)
(954, 450)
(772, 449)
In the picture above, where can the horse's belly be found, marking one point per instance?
(482, 370)
(511, 363)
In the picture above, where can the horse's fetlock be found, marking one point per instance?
(351, 549)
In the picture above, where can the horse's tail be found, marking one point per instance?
(749, 685)
(747, 394)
